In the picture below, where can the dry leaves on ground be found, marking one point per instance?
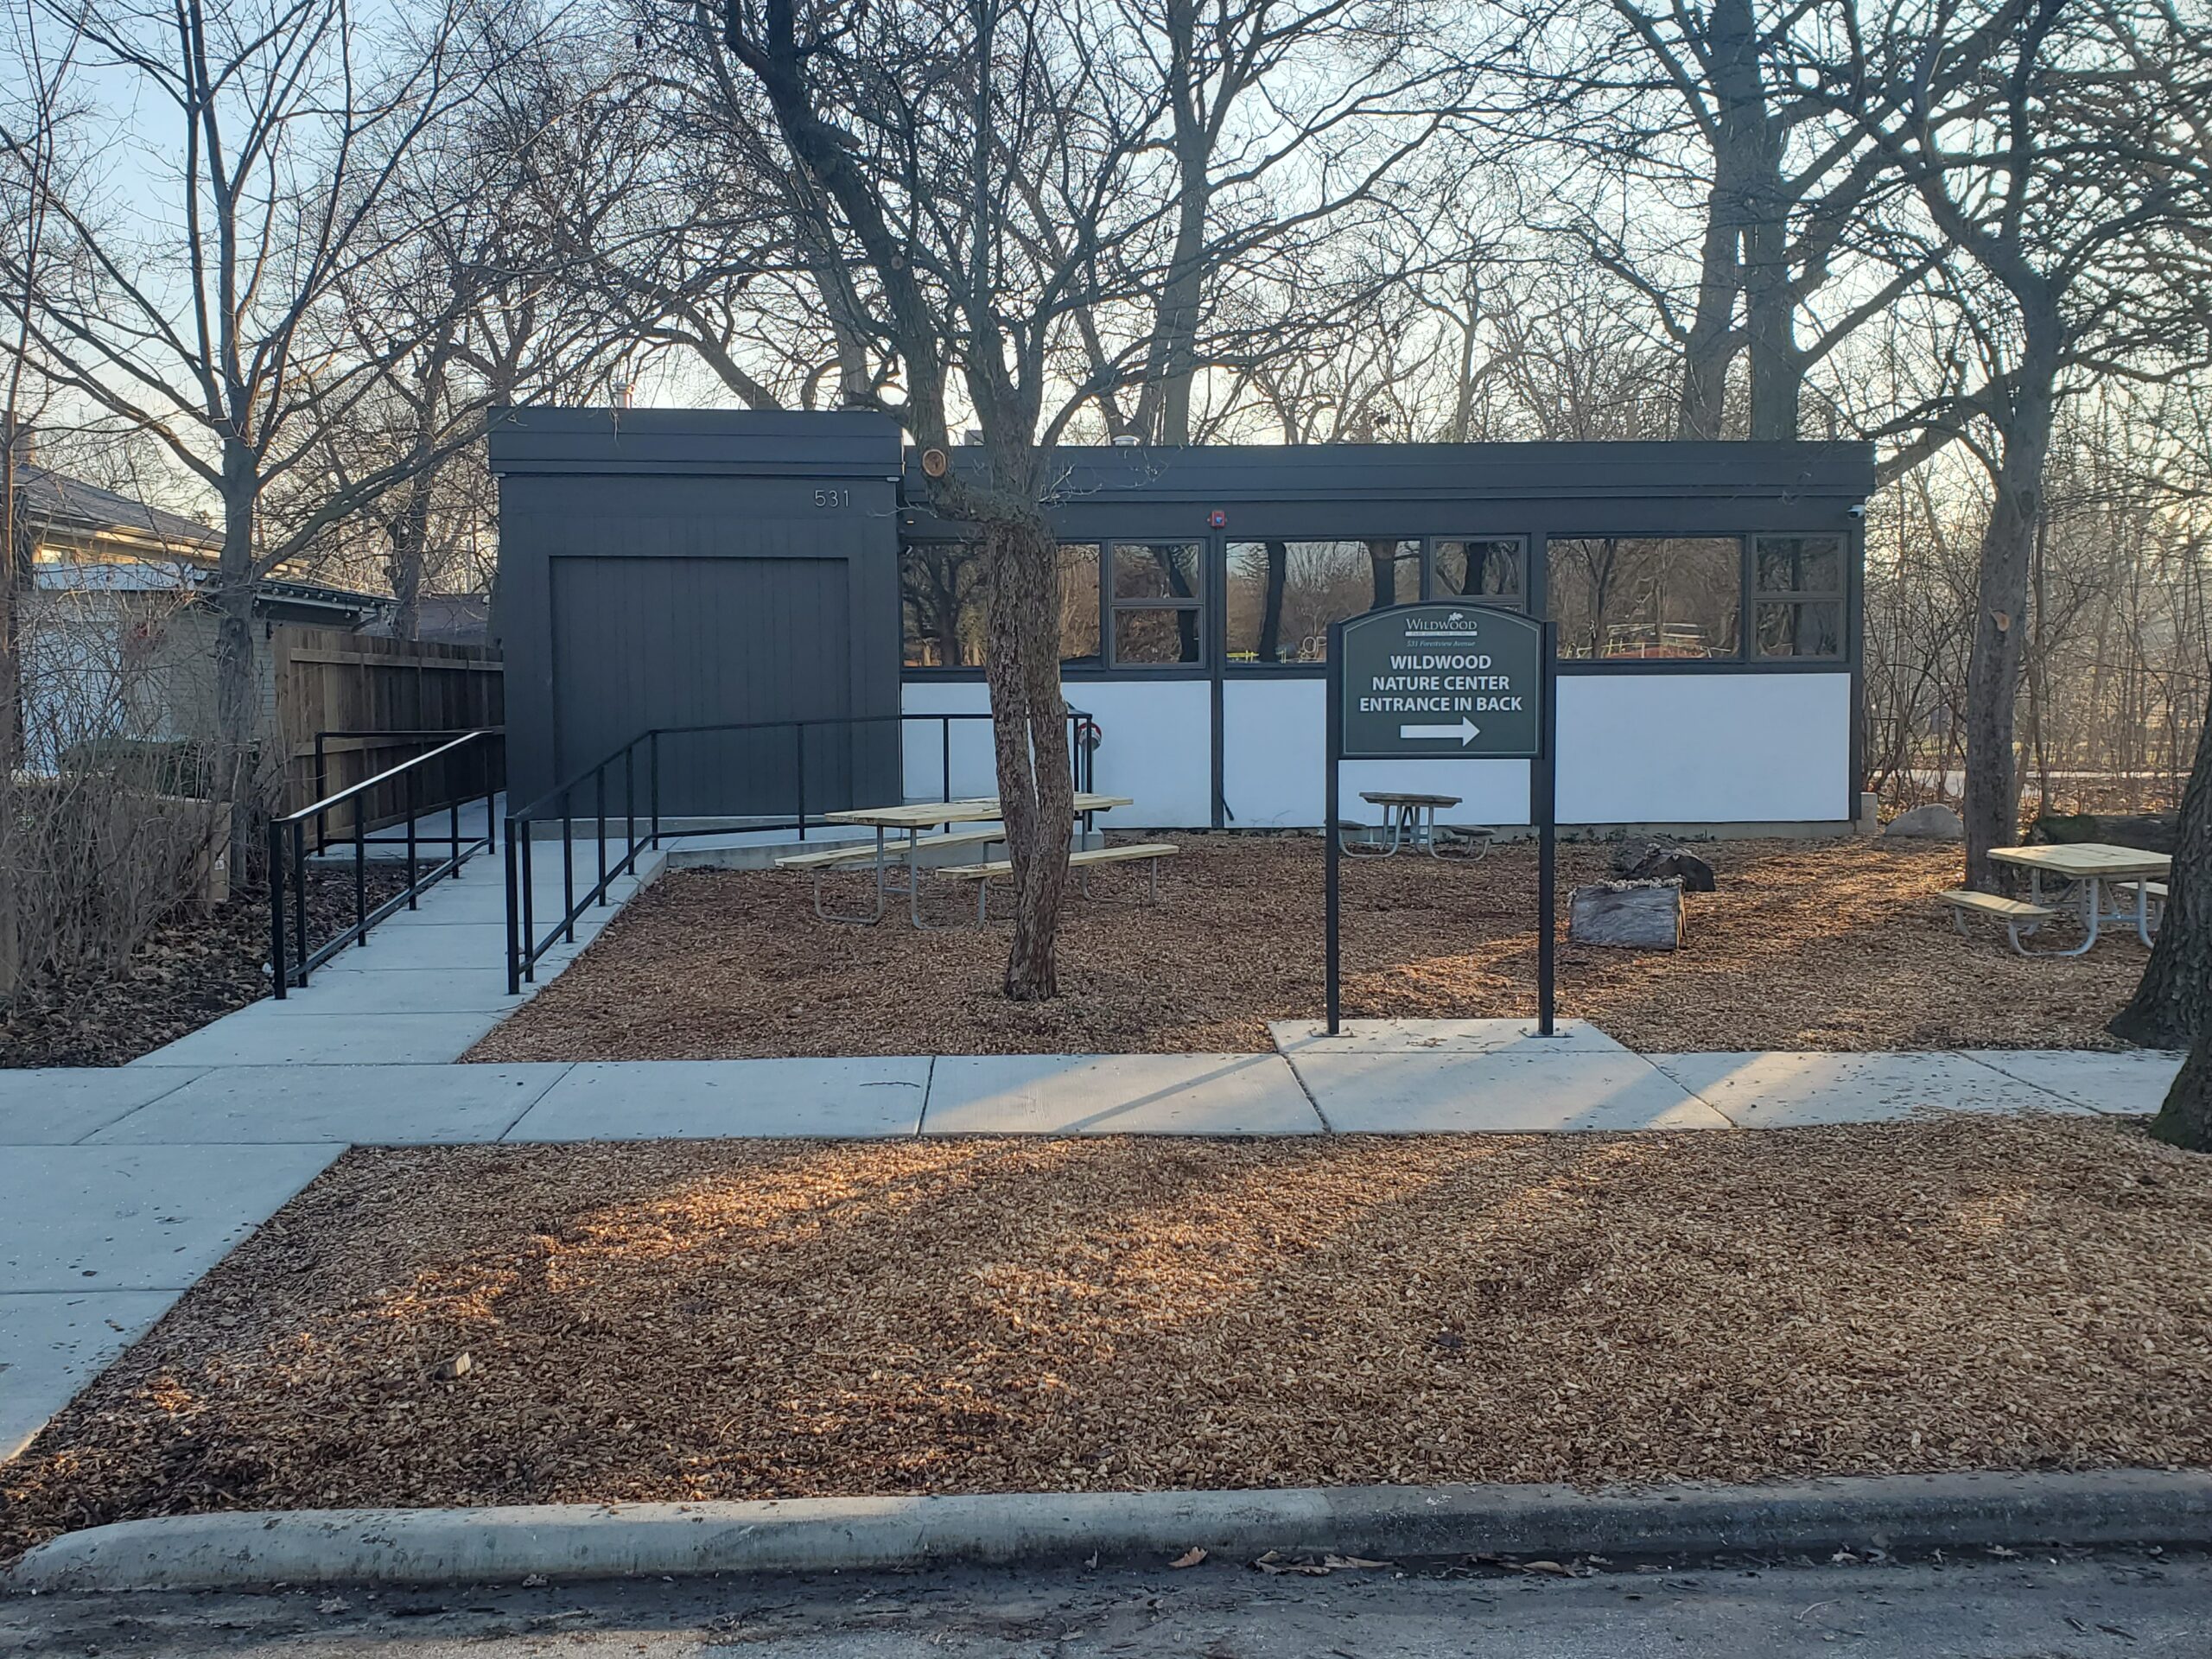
(1808, 944)
(196, 969)
(734, 1320)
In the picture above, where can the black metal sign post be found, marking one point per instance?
(1445, 681)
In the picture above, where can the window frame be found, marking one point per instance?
(1112, 604)
(1521, 543)
(1740, 658)
(1798, 598)
(1419, 558)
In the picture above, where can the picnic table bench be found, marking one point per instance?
(1148, 852)
(2089, 864)
(913, 818)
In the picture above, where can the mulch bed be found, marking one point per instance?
(1808, 944)
(196, 969)
(730, 1319)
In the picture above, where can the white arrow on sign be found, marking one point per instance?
(1467, 731)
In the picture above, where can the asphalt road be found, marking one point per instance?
(2028, 1607)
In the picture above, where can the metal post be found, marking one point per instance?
(654, 774)
(300, 892)
(630, 806)
(454, 806)
(1543, 787)
(276, 908)
(945, 741)
(1332, 750)
(514, 916)
(410, 840)
(798, 731)
(529, 896)
(568, 869)
(360, 887)
(321, 789)
(599, 792)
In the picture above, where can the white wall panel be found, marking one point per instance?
(1634, 748)
(1157, 745)
(1272, 740)
(1704, 748)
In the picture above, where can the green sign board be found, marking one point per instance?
(1442, 682)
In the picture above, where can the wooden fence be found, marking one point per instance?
(332, 683)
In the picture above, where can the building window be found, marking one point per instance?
(1156, 603)
(1079, 605)
(1282, 595)
(1486, 568)
(1647, 597)
(945, 597)
(1797, 587)
(945, 603)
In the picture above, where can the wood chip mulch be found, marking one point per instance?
(762, 1320)
(195, 969)
(1807, 945)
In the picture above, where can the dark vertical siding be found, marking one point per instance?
(636, 599)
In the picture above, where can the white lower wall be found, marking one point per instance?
(1156, 747)
(1704, 748)
(1273, 736)
(1642, 748)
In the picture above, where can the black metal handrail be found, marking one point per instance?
(292, 826)
(525, 947)
(381, 737)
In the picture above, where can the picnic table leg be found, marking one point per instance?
(2143, 909)
(854, 921)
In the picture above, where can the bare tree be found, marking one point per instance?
(2037, 137)
(996, 170)
(206, 320)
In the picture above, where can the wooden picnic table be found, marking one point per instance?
(2091, 863)
(915, 816)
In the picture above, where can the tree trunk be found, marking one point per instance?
(238, 709)
(411, 536)
(1036, 777)
(1270, 647)
(2185, 1118)
(1730, 209)
(1710, 345)
(2170, 1006)
(1992, 806)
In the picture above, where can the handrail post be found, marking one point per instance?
(514, 914)
(598, 790)
(300, 891)
(452, 809)
(360, 888)
(529, 896)
(276, 906)
(630, 807)
(798, 730)
(567, 870)
(945, 741)
(410, 797)
(654, 757)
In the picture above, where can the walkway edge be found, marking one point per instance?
(422, 1547)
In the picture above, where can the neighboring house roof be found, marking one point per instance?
(55, 501)
(449, 619)
(278, 597)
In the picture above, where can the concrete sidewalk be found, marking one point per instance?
(120, 1188)
(428, 984)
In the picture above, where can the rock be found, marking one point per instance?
(1655, 860)
(1631, 915)
(1934, 821)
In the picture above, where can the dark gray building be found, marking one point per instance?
(680, 568)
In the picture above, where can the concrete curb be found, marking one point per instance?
(1898, 1513)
